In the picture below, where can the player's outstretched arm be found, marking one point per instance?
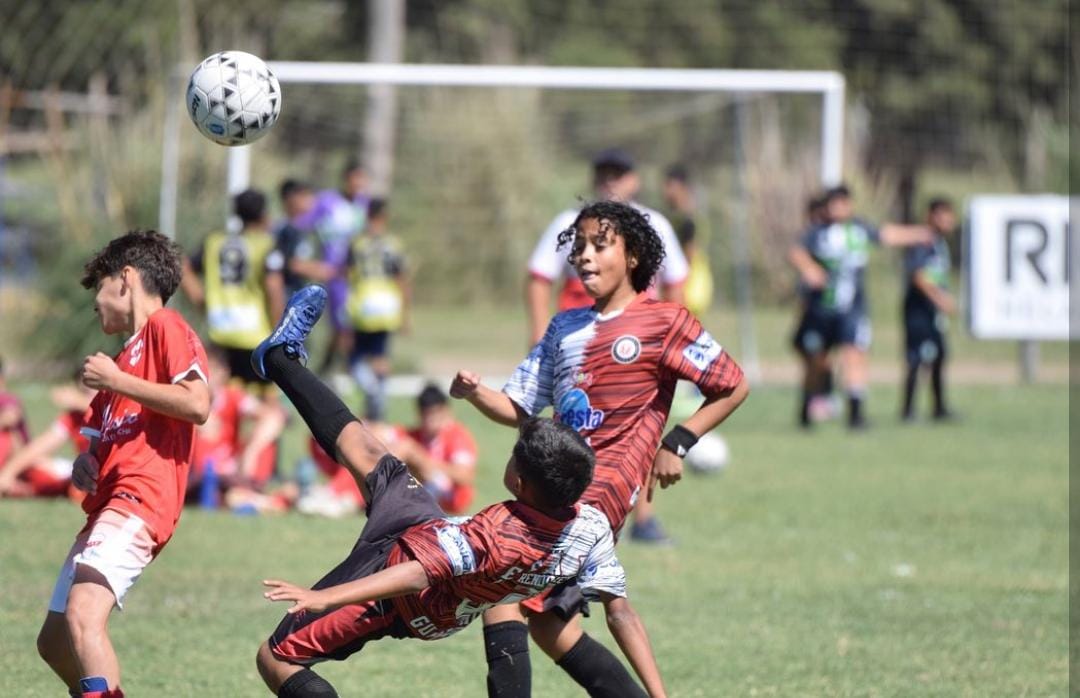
(397, 580)
(901, 235)
(187, 400)
(493, 404)
(628, 630)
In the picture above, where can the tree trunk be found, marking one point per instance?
(386, 31)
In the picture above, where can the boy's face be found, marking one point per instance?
(674, 192)
(943, 220)
(299, 202)
(599, 257)
(356, 182)
(839, 208)
(433, 418)
(112, 303)
(623, 187)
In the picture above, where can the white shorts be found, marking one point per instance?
(118, 545)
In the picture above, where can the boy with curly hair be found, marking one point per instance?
(609, 371)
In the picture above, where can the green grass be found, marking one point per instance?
(909, 561)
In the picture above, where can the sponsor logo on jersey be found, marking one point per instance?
(457, 549)
(626, 349)
(703, 351)
(576, 411)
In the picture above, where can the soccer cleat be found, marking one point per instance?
(303, 311)
(649, 531)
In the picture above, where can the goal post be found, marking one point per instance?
(740, 83)
(830, 85)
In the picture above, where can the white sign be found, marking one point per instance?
(1018, 267)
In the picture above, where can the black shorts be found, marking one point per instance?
(566, 601)
(368, 345)
(820, 331)
(923, 339)
(397, 503)
(239, 362)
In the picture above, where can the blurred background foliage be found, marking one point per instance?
(944, 96)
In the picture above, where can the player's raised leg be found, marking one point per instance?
(279, 358)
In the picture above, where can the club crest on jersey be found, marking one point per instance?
(576, 411)
(626, 349)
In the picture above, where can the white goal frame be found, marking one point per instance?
(830, 85)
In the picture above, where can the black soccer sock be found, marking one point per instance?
(306, 684)
(855, 408)
(910, 381)
(804, 409)
(937, 382)
(323, 411)
(599, 671)
(509, 668)
(826, 384)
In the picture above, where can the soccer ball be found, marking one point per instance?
(233, 98)
(709, 455)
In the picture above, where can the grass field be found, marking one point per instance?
(919, 560)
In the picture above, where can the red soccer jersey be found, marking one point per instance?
(144, 455)
(612, 377)
(505, 553)
(455, 445)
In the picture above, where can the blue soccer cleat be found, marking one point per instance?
(303, 311)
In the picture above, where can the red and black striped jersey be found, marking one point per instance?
(507, 552)
(612, 377)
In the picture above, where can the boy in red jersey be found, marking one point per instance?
(141, 428)
(610, 372)
(415, 573)
(30, 472)
(451, 469)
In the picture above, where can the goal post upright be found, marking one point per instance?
(829, 85)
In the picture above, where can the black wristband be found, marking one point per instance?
(679, 441)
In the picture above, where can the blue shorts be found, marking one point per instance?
(368, 345)
(820, 331)
(924, 341)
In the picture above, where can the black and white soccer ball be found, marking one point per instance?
(233, 98)
(709, 455)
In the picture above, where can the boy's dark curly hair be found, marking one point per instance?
(642, 241)
(156, 257)
(555, 459)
